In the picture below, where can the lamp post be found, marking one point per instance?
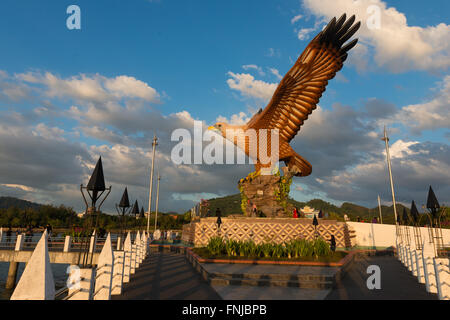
(315, 224)
(122, 209)
(135, 211)
(398, 228)
(388, 159)
(154, 144)
(435, 215)
(405, 224)
(95, 189)
(416, 221)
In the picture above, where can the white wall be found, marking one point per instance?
(383, 235)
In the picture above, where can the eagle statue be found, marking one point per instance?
(297, 95)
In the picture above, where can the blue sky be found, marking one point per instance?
(187, 52)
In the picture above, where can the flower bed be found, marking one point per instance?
(299, 250)
(203, 253)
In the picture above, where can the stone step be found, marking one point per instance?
(230, 281)
(275, 277)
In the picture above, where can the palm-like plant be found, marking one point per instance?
(267, 249)
(321, 247)
(216, 246)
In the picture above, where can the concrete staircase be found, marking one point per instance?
(304, 281)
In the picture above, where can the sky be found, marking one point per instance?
(139, 68)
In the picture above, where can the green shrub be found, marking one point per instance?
(242, 249)
(231, 247)
(321, 247)
(278, 251)
(303, 248)
(267, 249)
(216, 246)
(293, 249)
(252, 248)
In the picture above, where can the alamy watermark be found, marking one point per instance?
(74, 20)
(262, 146)
(374, 281)
(373, 21)
(74, 279)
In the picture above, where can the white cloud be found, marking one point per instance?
(296, 18)
(125, 86)
(431, 115)
(359, 57)
(49, 133)
(341, 78)
(19, 186)
(254, 67)
(303, 34)
(96, 88)
(397, 46)
(247, 85)
(412, 172)
(401, 149)
(276, 73)
(273, 53)
(236, 119)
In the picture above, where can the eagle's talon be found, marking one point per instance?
(295, 171)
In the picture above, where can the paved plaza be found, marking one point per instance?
(170, 276)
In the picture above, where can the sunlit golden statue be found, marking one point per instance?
(298, 93)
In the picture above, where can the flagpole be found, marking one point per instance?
(388, 159)
(157, 200)
(154, 144)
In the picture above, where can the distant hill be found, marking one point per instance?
(7, 202)
(232, 205)
(228, 205)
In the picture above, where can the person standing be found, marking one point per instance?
(295, 213)
(219, 216)
(49, 233)
(29, 234)
(254, 211)
(8, 234)
(333, 243)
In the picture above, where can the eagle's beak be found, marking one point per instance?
(213, 128)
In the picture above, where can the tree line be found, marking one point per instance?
(66, 218)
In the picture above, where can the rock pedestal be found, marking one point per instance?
(267, 193)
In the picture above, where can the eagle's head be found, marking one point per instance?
(219, 128)
(226, 130)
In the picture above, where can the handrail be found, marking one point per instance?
(61, 291)
(72, 294)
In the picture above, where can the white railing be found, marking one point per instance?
(429, 266)
(99, 282)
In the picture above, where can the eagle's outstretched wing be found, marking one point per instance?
(299, 91)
